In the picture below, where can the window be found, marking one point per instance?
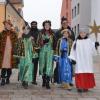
(75, 30)
(66, 14)
(75, 10)
(66, 4)
(78, 28)
(72, 13)
(78, 8)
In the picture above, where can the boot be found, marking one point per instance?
(85, 90)
(48, 82)
(9, 72)
(25, 84)
(71, 84)
(34, 82)
(35, 69)
(7, 81)
(80, 90)
(44, 80)
(2, 81)
(3, 73)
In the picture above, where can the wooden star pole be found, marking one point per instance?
(95, 30)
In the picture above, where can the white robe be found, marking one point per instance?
(83, 55)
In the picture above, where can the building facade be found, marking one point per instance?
(81, 14)
(84, 12)
(66, 10)
(12, 10)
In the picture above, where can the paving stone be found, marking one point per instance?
(41, 98)
(23, 98)
(87, 98)
(64, 98)
(5, 99)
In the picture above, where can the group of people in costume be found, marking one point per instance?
(44, 47)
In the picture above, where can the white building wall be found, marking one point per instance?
(84, 16)
(89, 11)
(75, 20)
(85, 12)
(95, 15)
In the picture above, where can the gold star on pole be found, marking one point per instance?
(95, 29)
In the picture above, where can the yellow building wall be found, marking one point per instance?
(2, 16)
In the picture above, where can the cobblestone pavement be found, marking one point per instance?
(15, 91)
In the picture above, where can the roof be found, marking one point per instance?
(16, 1)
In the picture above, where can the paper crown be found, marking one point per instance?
(65, 30)
(8, 21)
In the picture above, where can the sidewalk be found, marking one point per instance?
(15, 91)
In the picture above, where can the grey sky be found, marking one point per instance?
(41, 10)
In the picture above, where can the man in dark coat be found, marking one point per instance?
(34, 32)
(64, 25)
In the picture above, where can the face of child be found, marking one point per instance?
(82, 34)
(47, 26)
(66, 34)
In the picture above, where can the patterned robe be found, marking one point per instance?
(46, 54)
(24, 51)
(7, 45)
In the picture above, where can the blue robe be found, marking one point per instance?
(64, 64)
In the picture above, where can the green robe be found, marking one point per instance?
(25, 54)
(46, 57)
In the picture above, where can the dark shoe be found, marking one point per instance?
(7, 81)
(2, 82)
(44, 81)
(85, 90)
(25, 85)
(47, 82)
(80, 90)
(48, 86)
(43, 84)
(35, 83)
(71, 84)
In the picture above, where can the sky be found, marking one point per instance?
(40, 10)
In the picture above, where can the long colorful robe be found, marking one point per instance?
(64, 64)
(46, 54)
(70, 40)
(8, 40)
(25, 54)
(83, 55)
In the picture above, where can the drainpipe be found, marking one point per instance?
(6, 8)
